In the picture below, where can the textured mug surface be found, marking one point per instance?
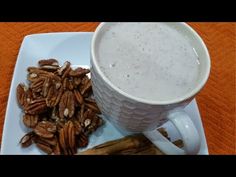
(130, 113)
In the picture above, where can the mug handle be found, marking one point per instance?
(187, 130)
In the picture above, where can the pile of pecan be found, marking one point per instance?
(58, 107)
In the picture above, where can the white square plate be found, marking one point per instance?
(74, 47)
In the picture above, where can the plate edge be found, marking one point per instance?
(56, 33)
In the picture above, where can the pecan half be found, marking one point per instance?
(49, 68)
(84, 115)
(53, 95)
(71, 137)
(37, 84)
(30, 121)
(35, 73)
(78, 97)
(62, 141)
(95, 123)
(24, 95)
(52, 61)
(87, 86)
(66, 105)
(45, 148)
(36, 107)
(46, 86)
(20, 93)
(90, 100)
(45, 129)
(64, 70)
(93, 106)
(79, 72)
(67, 138)
(80, 115)
(26, 140)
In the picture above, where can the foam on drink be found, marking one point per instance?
(153, 61)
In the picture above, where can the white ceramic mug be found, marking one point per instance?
(135, 115)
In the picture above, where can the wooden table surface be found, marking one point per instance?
(216, 101)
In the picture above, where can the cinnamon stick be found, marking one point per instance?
(130, 145)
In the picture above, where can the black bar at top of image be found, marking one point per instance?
(119, 11)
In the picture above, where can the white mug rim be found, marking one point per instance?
(187, 96)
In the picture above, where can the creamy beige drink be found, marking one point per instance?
(153, 61)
